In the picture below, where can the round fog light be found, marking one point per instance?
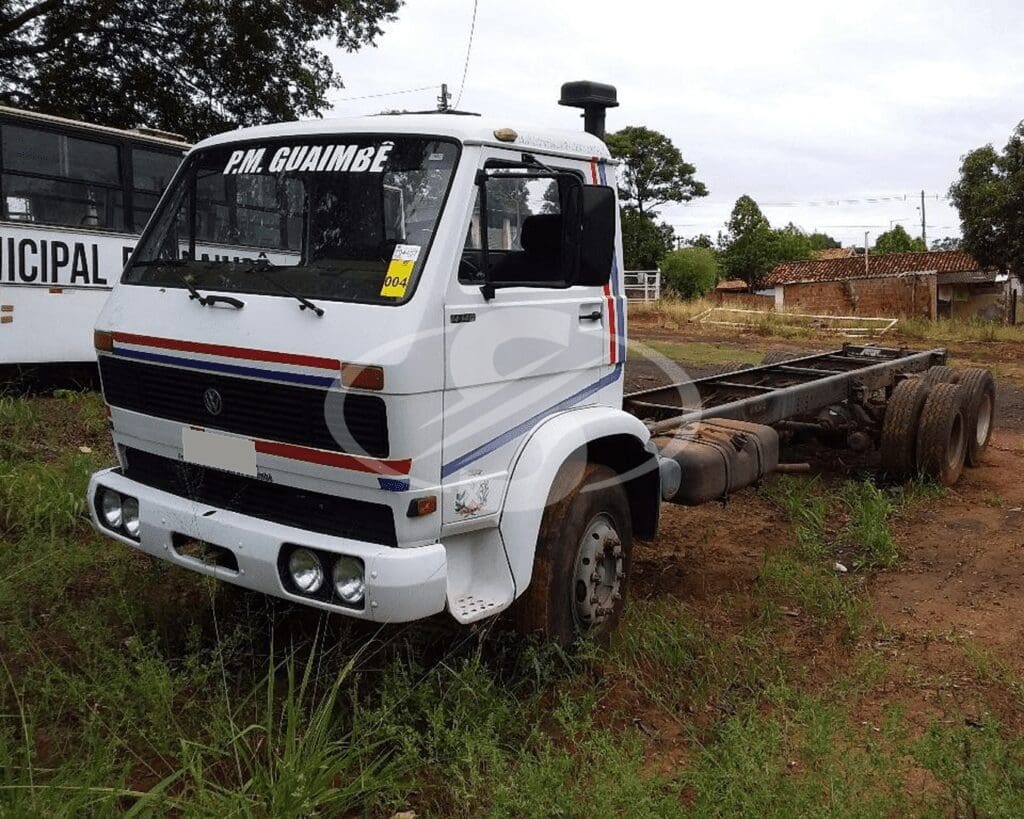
(348, 580)
(110, 508)
(306, 572)
(130, 515)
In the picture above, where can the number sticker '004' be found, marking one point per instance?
(399, 272)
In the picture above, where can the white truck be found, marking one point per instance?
(403, 394)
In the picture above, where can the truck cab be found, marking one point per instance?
(357, 363)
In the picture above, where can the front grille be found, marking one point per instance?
(336, 421)
(312, 511)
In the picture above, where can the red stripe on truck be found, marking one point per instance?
(609, 301)
(230, 352)
(336, 459)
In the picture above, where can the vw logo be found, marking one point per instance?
(212, 401)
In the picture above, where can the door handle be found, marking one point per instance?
(594, 316)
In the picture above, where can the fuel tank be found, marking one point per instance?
(717, 457)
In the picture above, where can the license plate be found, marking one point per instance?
(219, 451)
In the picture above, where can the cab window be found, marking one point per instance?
(524, 232)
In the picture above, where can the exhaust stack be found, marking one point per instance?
(594, 98)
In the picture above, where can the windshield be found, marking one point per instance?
(345, 218)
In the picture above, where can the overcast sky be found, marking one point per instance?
(790, 102)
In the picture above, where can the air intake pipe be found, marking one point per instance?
(594, 98)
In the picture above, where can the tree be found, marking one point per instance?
(691, 271)
(194, 67)
(792, 244)
(990, 198)
(751, 248)
(653, 171)
(946, 243)
(552, 199)
(749, 244)
(822, 241)
(702, 240)
(897, 240)
(643, 241)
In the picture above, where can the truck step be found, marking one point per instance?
(469, 609)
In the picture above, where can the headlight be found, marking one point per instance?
(110, 508)
(130, 516)
(348, 580)
(306, 571)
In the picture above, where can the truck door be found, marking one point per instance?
(533, 349)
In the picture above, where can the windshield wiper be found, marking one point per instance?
(193, 291)
(262, 265)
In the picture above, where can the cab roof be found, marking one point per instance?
(467, 129)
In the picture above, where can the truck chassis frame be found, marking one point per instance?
(776, 393)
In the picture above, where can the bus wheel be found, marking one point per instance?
(899, 428)
(942, 435)
(583, 561)
(979, 411)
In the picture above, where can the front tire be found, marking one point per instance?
(583, 560)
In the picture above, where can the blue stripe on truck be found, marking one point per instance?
(528, 424)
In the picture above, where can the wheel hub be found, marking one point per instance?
(984, 420)
(597, 581)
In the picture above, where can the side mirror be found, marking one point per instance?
(597, 239)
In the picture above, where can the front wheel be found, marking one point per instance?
(583, 561)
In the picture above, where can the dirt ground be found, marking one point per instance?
(959, 585)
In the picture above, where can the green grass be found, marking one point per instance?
(128, 686)
(867, 531)
(981, 765)
(959, 330)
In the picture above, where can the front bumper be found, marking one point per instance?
(401, 584)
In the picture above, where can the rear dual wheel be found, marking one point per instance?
(932, 418)
(940, 374)
(942, 434)
(979, 411)
(899, 428)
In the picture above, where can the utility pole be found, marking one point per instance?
(924, 235)
(442, 102)
(865, 251)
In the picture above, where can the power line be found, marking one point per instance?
(388, 93)
(833, 201)
(469, 49)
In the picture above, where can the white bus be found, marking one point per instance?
(74, 198)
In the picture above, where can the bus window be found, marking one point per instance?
(151, 171)
(60, 180)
